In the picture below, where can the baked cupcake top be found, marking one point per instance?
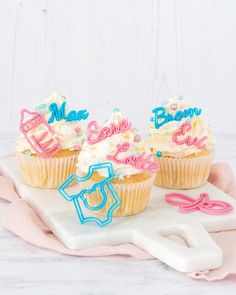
(118, 142)
(63, 122)
(179, 130)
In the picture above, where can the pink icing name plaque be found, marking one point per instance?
(189, 141)
(141, 162)
(96, 134)
(46, 144)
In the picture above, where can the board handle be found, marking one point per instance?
(201, 252)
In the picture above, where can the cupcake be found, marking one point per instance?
(183, 143)
(117, 142)
(58, 156)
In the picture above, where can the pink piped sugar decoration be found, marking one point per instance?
(46, 144)
(187, 204)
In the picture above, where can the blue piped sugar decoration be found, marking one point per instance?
(105, 187)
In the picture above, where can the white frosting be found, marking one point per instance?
(97, 153)
(66, 131)
(161, 139)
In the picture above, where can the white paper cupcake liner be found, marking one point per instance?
(46, 173)
(185, 173)
(134, 197)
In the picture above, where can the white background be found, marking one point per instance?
(129, 54)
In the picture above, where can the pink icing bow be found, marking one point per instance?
(203, 203)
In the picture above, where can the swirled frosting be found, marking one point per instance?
(70, 133)
(97, 153)
(161, 140)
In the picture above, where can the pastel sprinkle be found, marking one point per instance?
(137, 138)
(77, 129)
(180, 97)
(173, 106)
(77, 147)
(41, 106)
(120, 176)
(164, 103)
(116, 110)
(28, 153)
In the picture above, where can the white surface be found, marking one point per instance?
(27, 270)
(146, 230)
(119, 53)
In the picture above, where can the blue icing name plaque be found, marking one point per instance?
(161, 117)
(59, 113)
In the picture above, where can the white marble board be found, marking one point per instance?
(147, 230)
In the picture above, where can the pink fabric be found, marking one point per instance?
(20, 219)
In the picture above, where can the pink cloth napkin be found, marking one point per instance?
(20, 219)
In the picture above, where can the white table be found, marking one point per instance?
(25, 269)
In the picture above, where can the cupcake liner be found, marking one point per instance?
(134, 197)
(186, 173)
(46, 173)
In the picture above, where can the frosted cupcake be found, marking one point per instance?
(183, 143)
(47, 155)
(132, 160)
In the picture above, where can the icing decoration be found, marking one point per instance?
(95, 134)
(137, 138)
(186, 127)
(139, 162)
(80, 201)
(161, 117)
(188, 204)
(159, 154)
(45, 145)
(60, 113)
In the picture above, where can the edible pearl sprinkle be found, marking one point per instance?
(137, 138)
(158, 154)
(173, 106)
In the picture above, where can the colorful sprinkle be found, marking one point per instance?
(116, 110)
(159, 154)
(137, 138)
(120, 176)
(28, 153)
(41, 106)
(180, 97)
(77, 147)
(174, 106)
(77, 129)
(164, 103)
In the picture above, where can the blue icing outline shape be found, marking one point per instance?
(160, 114)
(59, 113)
(100, 185)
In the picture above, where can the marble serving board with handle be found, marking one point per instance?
(148, 230)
